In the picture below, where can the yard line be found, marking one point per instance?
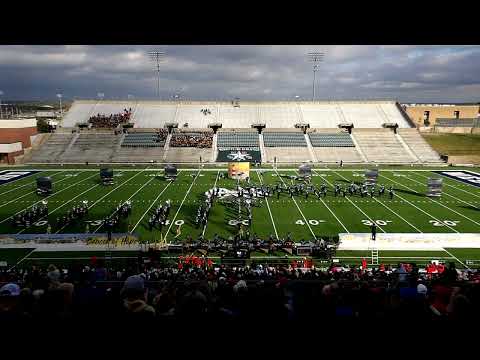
(30, 183)
(449, 253)
(301, 213)
(206, 223)
(29, 193)
(469, 193)
(351, 202)
(68, 187)
(153, 202)
(135, 193)
(334, 215)
(439, 203)
(178, 210)
(388, 208)
(416, 207)
(268, 206)
(96, 202)
(18, 262)
(59, 207)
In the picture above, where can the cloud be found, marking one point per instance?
(404, 73)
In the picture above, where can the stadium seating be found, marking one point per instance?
(333, 139)
(285, 145)
(145, 139)
(280, 114)
(188, 145)
(92, 147)
(419, 146)
(50, 151)
(238, 117)
(280, 138)
(284, 139)
(81, 111)
(457, 122)
(153, 115)
(381, 145)
(237, 139)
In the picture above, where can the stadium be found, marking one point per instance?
(224, 184)
(199, 140)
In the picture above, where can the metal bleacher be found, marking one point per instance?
(337, 139)
(237, 139)
(143, 139)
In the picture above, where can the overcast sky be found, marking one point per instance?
(403, 73)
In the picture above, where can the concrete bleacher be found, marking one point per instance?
(238, 117)
(419, 146)
(153, 115)
(280, 139)
(274, 114)
(381, 145)
(92, 147)
(51, 150)
(133, 155)
(81, 111)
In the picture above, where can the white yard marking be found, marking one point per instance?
(268, 207)
(334, 215)
(439, 203)
(135, 193)
(298, 207)
(388, 208)
(416, 207)
(154, 201)
(363, 212)
(178, 210)
(18, 262)
(59, 207)
(99, 200)
(68, 187)
(206, 223)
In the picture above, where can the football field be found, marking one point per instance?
(410, 211)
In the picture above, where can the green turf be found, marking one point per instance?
(454, 144)
(409, 212)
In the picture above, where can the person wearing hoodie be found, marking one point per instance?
(134, 304)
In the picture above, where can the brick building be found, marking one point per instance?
(427, 114)
(16, 136)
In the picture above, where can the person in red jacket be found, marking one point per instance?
(364, 264)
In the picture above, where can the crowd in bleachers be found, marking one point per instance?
(194, 139)
(110, 121)
(196, 288)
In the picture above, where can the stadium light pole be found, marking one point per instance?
(1, 113)
(59, 96)
(157, 57)
(315, 58)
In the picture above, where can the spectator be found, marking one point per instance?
(9, 302)
(135, 299)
